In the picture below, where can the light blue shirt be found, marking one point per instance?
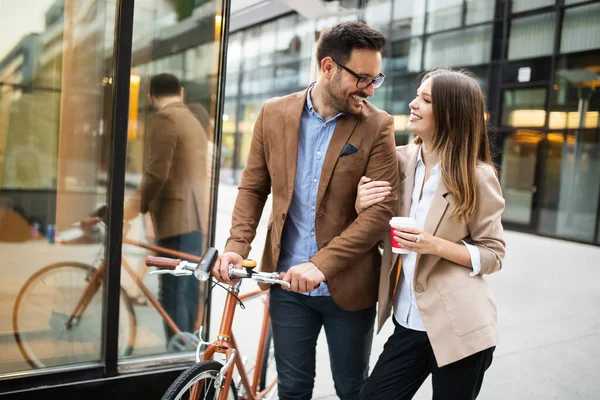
(298, 241)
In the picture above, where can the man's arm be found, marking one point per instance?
(253, 191)
(367, 229)
(162, 140)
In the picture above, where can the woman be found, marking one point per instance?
(444, 316)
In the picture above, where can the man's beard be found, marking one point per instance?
(334, 97)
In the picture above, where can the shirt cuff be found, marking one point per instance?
(475, 259)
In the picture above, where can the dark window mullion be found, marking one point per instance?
(116, 183)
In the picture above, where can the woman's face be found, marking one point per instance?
(421, 121)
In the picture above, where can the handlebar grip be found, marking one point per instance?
(162, 262)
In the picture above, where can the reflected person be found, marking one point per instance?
(173, 191)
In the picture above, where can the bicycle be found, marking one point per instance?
(210, 379)
(57, 316)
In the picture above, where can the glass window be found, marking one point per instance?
(377, 15)
(54, 76)
(531, 36)
(465, 47)
(405, 55)
(480, 11)
(408, 18)
(581, 30)
(525, 5)
(524, 107)
(444, 14)
(169, 173)
(517, 176)
(572, 174)
(287, 41)
(567, 2)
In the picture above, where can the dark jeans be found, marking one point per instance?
(407, 360)
(179, 296)
(297, 320)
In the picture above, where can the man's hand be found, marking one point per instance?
(221, 269)
(303, 277)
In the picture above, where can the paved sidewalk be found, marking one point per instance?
(547, 294)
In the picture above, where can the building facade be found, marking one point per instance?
(537, 61)
(74, 115)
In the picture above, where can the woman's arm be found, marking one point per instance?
(370, 192)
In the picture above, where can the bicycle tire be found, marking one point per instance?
(40, 333)
(205, 371)
(268, 371)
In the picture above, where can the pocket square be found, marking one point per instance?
(348, 149)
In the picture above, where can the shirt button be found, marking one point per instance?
(313, 207)
(313, 233)
(318, 153)
(315, 180)
(418, 288)
(324, 125)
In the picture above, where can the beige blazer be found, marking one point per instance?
(458, 311)
(347, 243)
(175, 182)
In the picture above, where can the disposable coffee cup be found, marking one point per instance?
(399, 223)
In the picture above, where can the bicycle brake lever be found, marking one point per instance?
(272, 281)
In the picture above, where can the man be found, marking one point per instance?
(311, 149)
(173, 191)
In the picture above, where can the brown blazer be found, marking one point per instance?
(175, 180)
(348, 255)
(458, 311)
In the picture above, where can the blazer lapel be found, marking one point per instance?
(291, 129)
(344, 128)
(437, 210)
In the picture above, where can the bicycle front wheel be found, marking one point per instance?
(48, 329)
(198, 383)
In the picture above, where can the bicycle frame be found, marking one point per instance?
(95, 280)
(227, 345)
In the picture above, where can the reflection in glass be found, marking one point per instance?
(170, 163)
(377, 15)
(53, 173)
(524, 107)
(444, 14)
(470, 46)
(480, 11)
(581, 30)
(531, 36)
(517, 177)
(572, 173)
(525, 5)
(408, 19)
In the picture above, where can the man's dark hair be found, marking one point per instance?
(163, 85)
(338, 41)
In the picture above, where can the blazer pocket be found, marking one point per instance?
(468, 307)
(349, 162)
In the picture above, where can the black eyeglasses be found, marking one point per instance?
(363, 82)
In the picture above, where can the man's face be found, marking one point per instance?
(341, 91)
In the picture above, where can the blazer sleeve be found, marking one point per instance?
(369, 226)
(162, 140)
(485, 226)
(253, 191)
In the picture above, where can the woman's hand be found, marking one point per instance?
(416, 239)
(370, 192)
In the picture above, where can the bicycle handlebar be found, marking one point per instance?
(202, 269)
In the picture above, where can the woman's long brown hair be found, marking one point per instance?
(461, 136)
